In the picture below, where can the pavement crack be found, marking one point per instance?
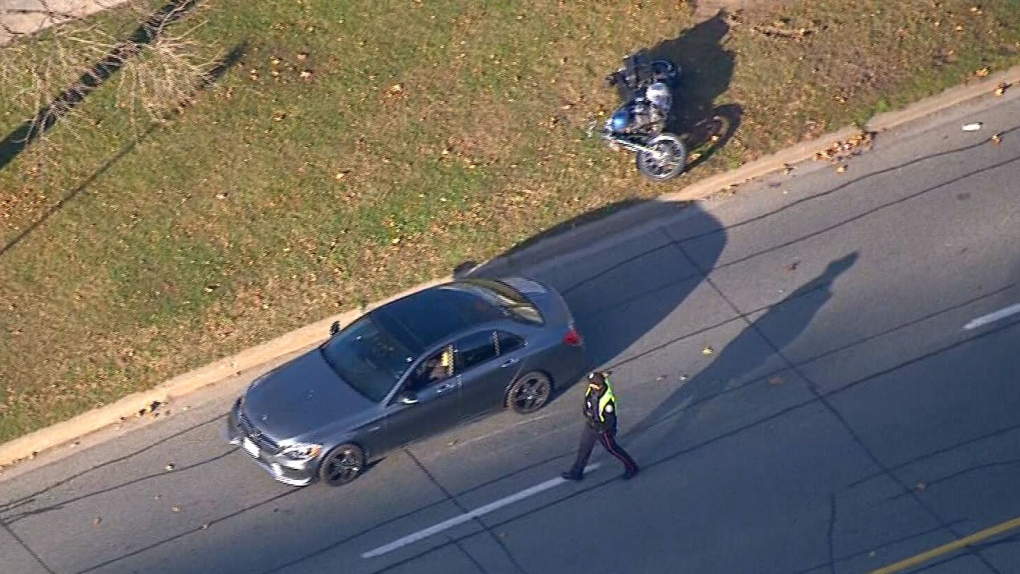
(30, 497)
(60, 505)
(460, 506)
(959, 473)
(846, 184)
(996, 433)
(27, 548)
(472, 559)
(188, 532)
(830, 535)
(824, 399)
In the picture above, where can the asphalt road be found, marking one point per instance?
(799, 372)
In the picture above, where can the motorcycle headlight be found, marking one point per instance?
(301, 451)
(619, 120)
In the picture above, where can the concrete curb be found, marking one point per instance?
(129, 406)
(27, 17)
(543, 250)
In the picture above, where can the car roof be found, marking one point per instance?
(422, 319)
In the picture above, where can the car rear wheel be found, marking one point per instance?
(342, 465)
(529, 393)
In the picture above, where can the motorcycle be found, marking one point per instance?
(638, 125)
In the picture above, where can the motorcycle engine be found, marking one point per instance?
(631, 119)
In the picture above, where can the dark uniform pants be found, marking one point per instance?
(608, 439)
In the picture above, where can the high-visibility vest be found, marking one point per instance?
(607, 398)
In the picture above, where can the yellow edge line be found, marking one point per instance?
(947, 548)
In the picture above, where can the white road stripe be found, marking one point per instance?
(483, 510)
(993, 317)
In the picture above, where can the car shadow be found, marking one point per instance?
(621, 254)
(619, 269)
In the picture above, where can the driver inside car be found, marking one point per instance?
(435, 369)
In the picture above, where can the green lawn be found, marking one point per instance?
(427, 133)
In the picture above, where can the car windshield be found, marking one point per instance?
(367, 358)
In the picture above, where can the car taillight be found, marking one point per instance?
(572, 338)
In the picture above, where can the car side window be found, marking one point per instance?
(475, 349)
(432, 370)
(507, 342)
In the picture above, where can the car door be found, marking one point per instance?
(436, 405)
(487, 362)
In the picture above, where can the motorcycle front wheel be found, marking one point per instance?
(666, 160)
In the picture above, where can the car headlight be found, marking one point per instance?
(301, 451)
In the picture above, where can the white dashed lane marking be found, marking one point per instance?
(480, 511)
(993, 317)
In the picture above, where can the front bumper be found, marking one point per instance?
(282, 469)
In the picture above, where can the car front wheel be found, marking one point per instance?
(342, 465)
(529, 393)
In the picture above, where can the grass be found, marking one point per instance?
(429, 133)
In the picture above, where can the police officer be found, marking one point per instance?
(600, 416)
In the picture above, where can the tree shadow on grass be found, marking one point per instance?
(231, 58)
(90, 80)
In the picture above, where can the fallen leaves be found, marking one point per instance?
(997, 139)
(148, 409)
(782, 28)
(707, 351)
(845, 148)
(1001, 88)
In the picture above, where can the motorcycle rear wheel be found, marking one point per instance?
(668, 160)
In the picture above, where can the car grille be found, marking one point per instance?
(264, 443)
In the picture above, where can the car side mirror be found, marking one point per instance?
(334, 328)
(407, 398)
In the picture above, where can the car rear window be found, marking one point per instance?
(511, 301)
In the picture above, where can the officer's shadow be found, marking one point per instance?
(744, 384)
